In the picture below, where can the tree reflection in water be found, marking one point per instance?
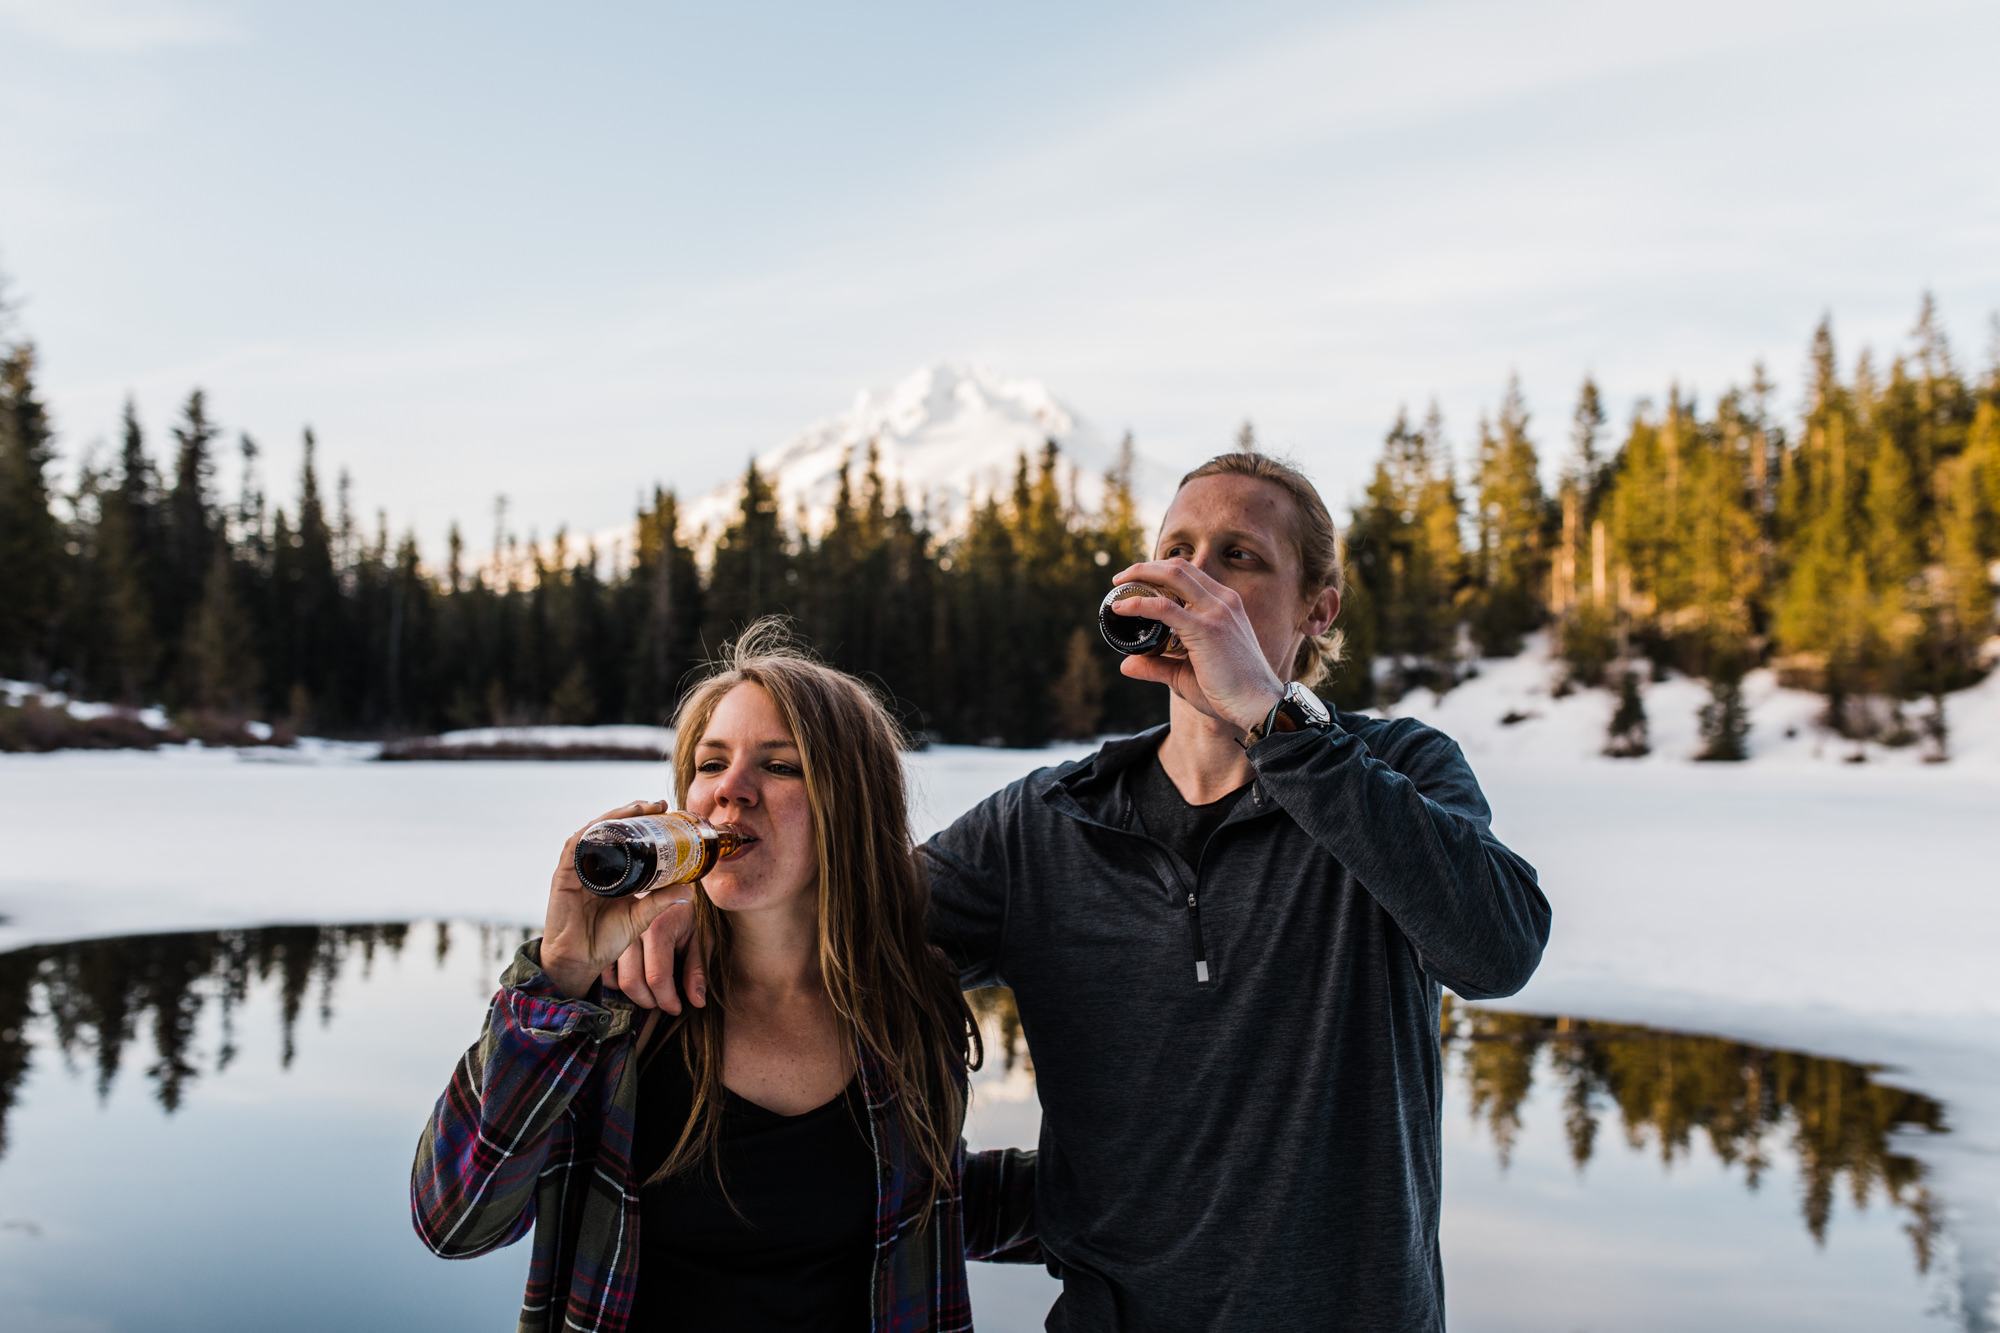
(1000, 1028)
(1745, 1100)
(98, 996)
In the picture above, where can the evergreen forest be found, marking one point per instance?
(1850, 545)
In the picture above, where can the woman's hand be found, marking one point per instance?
(1225, 673)
(583, 934)
(645, 971)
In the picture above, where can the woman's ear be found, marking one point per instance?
(1321, 612)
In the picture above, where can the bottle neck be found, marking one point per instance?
(716, 843)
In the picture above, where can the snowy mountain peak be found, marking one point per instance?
(949, 434)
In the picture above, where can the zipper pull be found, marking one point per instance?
(1200, 954)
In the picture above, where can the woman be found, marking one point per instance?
(788, 1156)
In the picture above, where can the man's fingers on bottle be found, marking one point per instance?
(627, 981)
(660, 980)
(1149, 608)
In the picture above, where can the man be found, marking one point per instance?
(1226, 939)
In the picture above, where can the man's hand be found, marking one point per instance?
(1225, 673)
(645, 971)
(584, 935)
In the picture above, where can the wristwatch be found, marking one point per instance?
(1299, 709)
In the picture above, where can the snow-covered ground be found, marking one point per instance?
(1796, 900)
(15, 693)
(659, 739)
(1784, 723)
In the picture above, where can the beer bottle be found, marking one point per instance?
(619, 857)
(1138, 636)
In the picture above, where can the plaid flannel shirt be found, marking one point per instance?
(535, 1131)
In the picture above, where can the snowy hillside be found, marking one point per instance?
(949, 434)
(1510, 712)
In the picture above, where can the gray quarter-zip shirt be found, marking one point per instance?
(1239, 1072)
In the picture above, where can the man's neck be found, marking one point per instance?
(1203, 756)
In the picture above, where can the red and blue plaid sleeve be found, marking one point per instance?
(503, 1116)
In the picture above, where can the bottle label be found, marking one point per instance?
(676, 839)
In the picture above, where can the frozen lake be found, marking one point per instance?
(1844, 912)
(232, 1115)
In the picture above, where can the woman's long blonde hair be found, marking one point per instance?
(893, 992)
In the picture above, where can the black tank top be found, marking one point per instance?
(797, 1252)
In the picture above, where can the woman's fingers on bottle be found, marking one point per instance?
(625, 811)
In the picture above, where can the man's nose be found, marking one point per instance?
(1206, 560)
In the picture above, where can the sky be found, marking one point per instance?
(567, 253)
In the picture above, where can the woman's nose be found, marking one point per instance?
(737, 787)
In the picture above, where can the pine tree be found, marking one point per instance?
(1121, 537)
(1725, 722)
(125, 542)
(1577, 592)
(1818, 623)
(219, 656)
(1586, 425)
(1078, 693)
(248, 522)
(1509, 519)
(1057, 592)
(1405, 561)
(748, 579)
(191, 528)
(308, 610)
(1960, 614)
(573, 703)
(1720, 562)
(1625, 738)
(1894, 543)
(411, 688)
(666, 611)
(990, 694)
(1982, 461)
(32, 560)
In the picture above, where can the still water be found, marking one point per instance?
(213, 1131)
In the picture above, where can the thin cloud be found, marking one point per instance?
(121, 25)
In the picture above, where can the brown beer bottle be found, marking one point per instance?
(1138, 636)
(619, 857)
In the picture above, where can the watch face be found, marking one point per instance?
(1308, 704)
